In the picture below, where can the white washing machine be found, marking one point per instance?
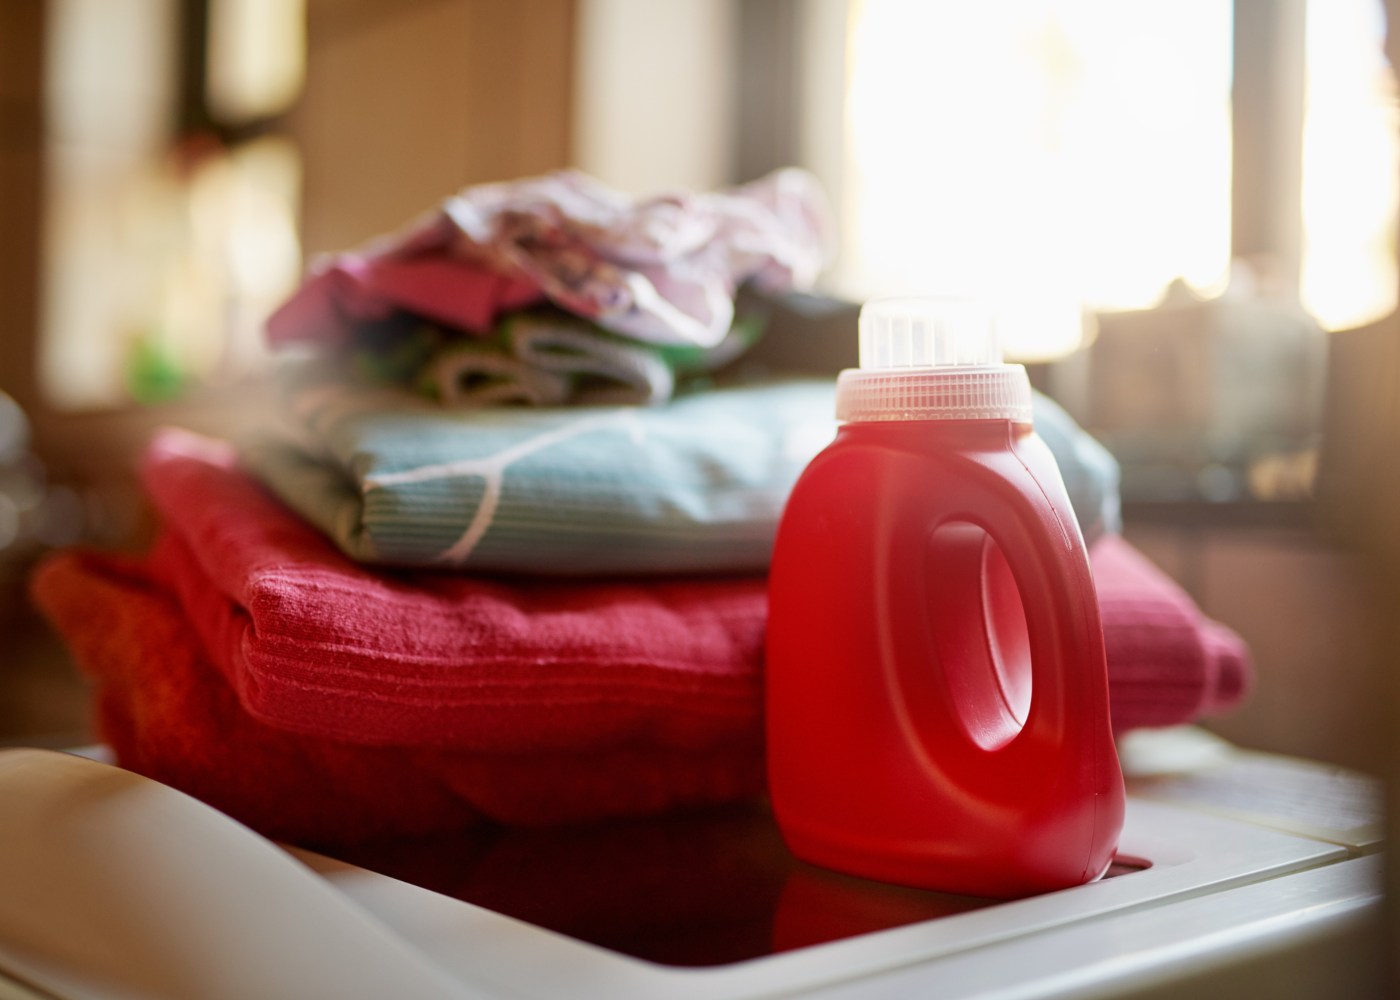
(1239, 875)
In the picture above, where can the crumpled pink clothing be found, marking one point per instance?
(661, 270)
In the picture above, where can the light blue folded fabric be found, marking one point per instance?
(1090, 473)
(696, 485)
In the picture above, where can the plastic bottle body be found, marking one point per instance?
(937, 693)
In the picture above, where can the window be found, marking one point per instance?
(1351, 149)
(1060, 154)
(1067, 156)
(171, 205)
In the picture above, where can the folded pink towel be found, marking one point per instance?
(661, 270)
(1167, 662)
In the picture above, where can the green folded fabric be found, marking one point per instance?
(695, 485)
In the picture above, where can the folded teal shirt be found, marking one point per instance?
(696, 485)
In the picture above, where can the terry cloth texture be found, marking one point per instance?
(1168, 663)
(248, 662)
(314, 643)
(169, 714)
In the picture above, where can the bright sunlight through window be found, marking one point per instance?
(1351, 153)
(1060, 155)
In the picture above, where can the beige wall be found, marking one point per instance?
(1301, 605)
(406, 102)
(653, 101)
(21, 179)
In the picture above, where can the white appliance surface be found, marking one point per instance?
(1223, 881)
(1239, 873)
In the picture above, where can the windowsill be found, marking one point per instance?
(1299, 514)
(86, 444)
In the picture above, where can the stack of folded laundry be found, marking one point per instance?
(557, 289)
(426, 610)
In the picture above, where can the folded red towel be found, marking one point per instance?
(1167, 663)
(313, 643)
(250, 664)
(168, 714)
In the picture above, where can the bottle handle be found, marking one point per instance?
(1007, 584)
(1047, 558)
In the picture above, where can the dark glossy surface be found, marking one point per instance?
(701, 889)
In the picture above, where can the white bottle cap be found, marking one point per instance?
(931, 359)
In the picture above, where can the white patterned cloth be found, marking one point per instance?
(661, 270)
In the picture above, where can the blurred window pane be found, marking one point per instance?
(163, 253)
(1351, 166)
(257, 57)
(1059, 154)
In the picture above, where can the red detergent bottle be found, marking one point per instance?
(937, 697)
